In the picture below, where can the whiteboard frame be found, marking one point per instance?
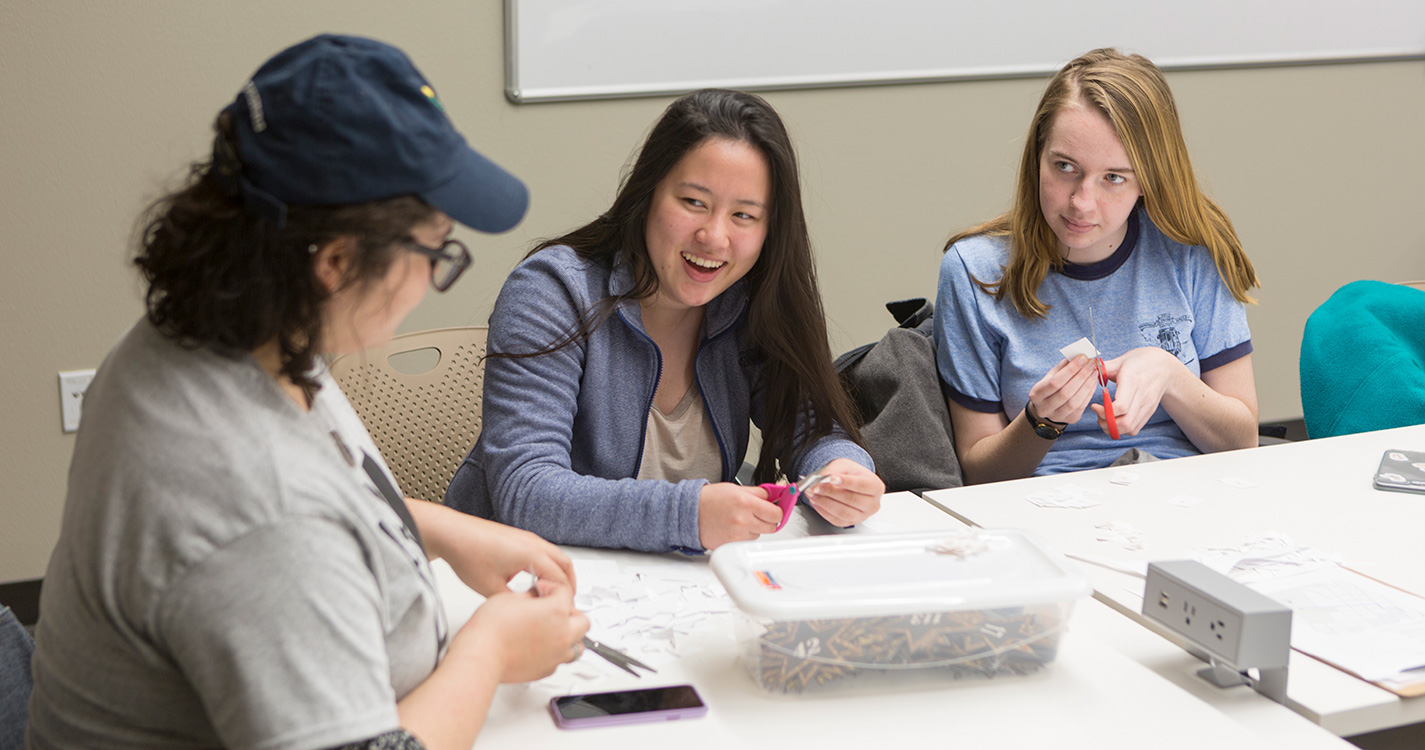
(519, 91)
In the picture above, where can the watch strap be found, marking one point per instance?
(1045, 428)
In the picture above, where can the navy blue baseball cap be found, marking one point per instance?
(340, 120)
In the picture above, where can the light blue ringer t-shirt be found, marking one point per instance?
(1151, 292)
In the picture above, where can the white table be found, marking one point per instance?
(1318, 492)
(1091, 697)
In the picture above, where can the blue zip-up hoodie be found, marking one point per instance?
(563, 432)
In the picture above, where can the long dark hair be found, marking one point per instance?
(786, 325)
(219, 275)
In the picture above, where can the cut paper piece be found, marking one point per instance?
(1121, 533)
(1183, 501)
(1059, 499)
(592, 574)
(1066, 496)
(961, 544)
(1265, 556)
(521, 582)
(1237, 482)
(1125, 478)
(1082, 346)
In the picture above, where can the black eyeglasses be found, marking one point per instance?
(447, 262)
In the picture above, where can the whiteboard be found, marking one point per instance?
(584, 49)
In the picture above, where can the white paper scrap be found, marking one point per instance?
(1265, 556)
(966, 543)
(1124, 478)
(1183, 501)
(1058, 499)
(1237, 482)
(1122, 533)
(1082, 346)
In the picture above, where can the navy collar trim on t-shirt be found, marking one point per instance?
(1111, 263)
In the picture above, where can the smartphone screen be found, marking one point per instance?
(1402, 471)
(627, 707)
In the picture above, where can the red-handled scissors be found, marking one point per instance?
(785, 496)
(1103, 382)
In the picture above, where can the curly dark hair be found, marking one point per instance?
(221, 276)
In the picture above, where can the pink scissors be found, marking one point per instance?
(785, 496)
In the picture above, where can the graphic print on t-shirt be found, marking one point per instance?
(1164, 334)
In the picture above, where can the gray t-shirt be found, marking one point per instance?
(224, 576)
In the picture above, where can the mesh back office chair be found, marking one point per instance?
(423, 423)
(15, 649)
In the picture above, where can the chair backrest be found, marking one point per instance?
(896, 386)
(423, 423)
(15, 650)
(1363, 360)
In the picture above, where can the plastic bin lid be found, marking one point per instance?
(874, 575)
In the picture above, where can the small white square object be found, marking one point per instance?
(1237, 482)
(1124, 478)
(1082, 346)
(1183, 501)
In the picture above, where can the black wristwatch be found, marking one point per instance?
(1045, 428)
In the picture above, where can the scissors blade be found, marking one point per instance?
(1093, 338)
(615, 657)
(621, 655)
(593, 645)
(1093, 335)
(809, 481)
(1108, 414)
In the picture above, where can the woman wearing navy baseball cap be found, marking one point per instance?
(235, 566)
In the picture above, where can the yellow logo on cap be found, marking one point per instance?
(430, 94)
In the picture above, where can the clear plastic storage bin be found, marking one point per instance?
(868, 610)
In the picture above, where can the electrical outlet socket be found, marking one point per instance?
(72, 386)
(1233, 623)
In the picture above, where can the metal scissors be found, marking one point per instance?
(609, 653)
(615, 657)
(785, 496)
(1103, 383)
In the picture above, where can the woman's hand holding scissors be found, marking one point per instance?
(525, 636)
(729, 512)
(1144, 375)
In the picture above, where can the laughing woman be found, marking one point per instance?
(628, 355)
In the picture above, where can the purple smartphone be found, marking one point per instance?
(626, 707)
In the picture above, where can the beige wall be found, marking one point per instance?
(101, 104)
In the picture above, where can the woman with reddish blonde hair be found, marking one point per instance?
(1110, 235)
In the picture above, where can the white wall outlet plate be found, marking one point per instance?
(72, 385)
